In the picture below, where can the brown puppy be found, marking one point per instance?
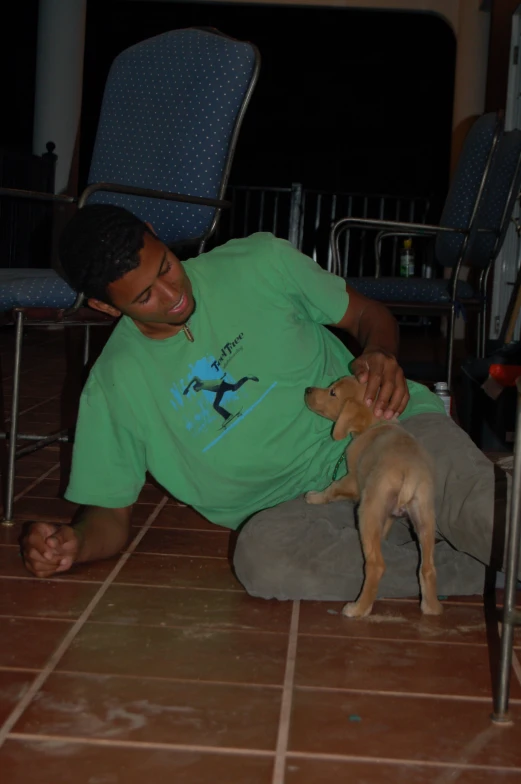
(390, 474)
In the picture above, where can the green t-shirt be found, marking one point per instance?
(221, 422)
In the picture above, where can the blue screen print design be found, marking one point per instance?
(210, 400)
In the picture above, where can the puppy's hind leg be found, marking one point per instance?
(373, 515)
(421, 512)
(345, 489)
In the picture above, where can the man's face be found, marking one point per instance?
(157, 292)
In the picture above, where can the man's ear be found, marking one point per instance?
(103, 307)
(354, 418)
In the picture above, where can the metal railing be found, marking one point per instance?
(255, 208)
(357, 251)
(304, 216)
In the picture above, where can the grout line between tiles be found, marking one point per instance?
(186, 530)
(148, 677)
(22, 475)
(417, 694)
(37, 405)
(516, 666)
(45, 618)
(133, 744)
(475, 601)
(55, 658)
(188, 625)
(408, 640)
(287, 699)
(78, 581)
(184, 555)
(453, 602)
(177, 587)
(274, 686)
(399, 761)
(164, 679)
(30, 577)
(469, 751)
(36, 482)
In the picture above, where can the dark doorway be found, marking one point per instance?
(347, 99)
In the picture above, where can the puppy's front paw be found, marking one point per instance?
(434, 607)
(355, 610)
(314, 497)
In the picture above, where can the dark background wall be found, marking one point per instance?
(347, 100)
(18, 64)
(353, 100)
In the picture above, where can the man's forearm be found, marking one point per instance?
(102, 532)
(378, 329)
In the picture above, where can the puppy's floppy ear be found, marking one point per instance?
(354, 418)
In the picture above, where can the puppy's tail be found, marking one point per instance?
(407, 489)
(415, 487)
(421, 506)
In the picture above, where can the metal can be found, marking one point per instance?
(441, 388)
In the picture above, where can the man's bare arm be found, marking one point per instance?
(94, 533)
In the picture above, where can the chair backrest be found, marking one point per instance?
(467, 187)
(170, 117)
(497, 204)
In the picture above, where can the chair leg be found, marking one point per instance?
(482, 332)
(483, 312)
(13, 431)
(86, 346)
(482, 329)
(450, 346)
(511, 617)
(478, 336)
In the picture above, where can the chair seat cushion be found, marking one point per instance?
(411, 290)
(26, 288)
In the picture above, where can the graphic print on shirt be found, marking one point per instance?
(219, 388)
(211, 400)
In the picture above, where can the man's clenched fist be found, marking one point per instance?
(49, 548)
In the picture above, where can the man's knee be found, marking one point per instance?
(299, 551)
(447, 443)
(459, 465)
(465, 485)
(258, 563)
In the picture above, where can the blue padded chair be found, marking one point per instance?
(472, 228)
(171, 114)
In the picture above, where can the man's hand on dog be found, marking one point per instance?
(386, 384)
(48, 549)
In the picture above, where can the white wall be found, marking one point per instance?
(59, 81)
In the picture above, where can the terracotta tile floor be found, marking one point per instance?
(155, 666)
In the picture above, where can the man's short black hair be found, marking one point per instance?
(99, 245)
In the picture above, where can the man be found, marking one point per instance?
(253, 310)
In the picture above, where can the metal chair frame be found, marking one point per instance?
(396, 228)
(511, 616)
